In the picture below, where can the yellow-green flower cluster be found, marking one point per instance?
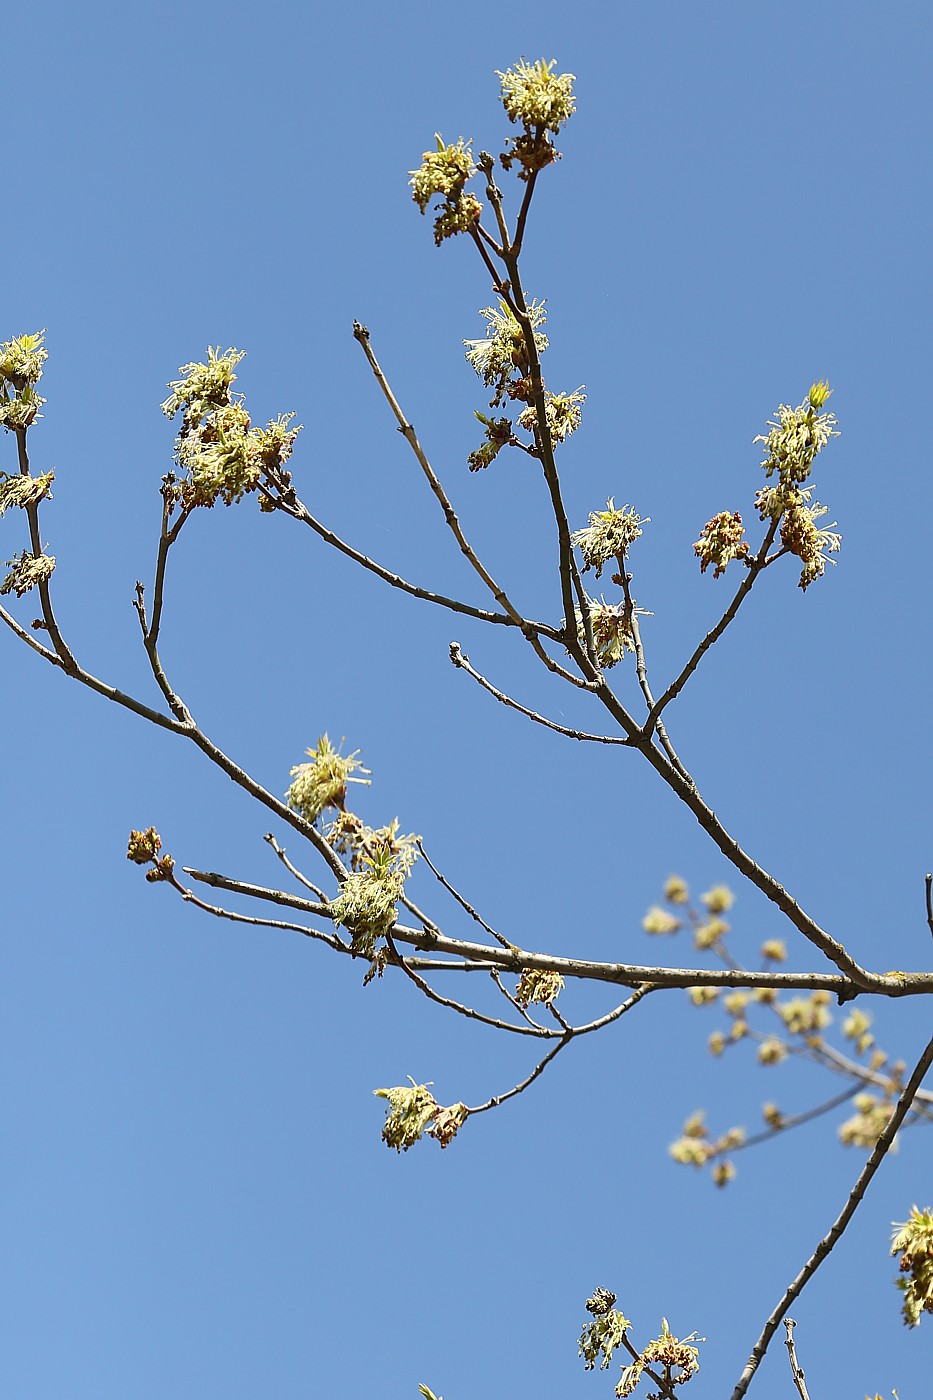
(694, 1148)
(660, 921)
(721, 541)
(600, 1338)
(415, 1111)
(913, 1241)
(562, 411)
(868, 1122)
(322, 783)
(535, 96)
(143, 849)
(24, 490)
(368, 896)
(801, 536)
(27, 571)
(223, 457)
(796, 435)
(678, 1359)
(609, 535)
(498, 434)
(541, 101)
(794, 438)
(612, 629)
(445, 172)
(500, 358)
(856, 1028)
(806, 1015)
(21, 361)
(540, 987)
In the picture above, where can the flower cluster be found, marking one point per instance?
(541, 101)
(613, 632)
(368, 896)
(869, 1121)
(562, 411)
(21, 361)
(27, 571)
(913, 1241)
(695, 1148)
(679, 1360)
(322, 783)
(24, 490)
(540, 987)
(445, 172)
(415, 1111)
(600, 1338)
(222, 456)
(721, 541)
(796, 435)
(801, 536)
(609, 535)
(501, 358)
(498, 434)
(143, 849)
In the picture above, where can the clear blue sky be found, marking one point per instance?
(197, 1202)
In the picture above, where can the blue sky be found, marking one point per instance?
(197, 1201)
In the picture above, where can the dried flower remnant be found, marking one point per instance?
(27, 571)
(721, 541)
(913, 1241)
(414, 1111)
(500, 358)
(609, 535)
(322, 783)
(538, 987)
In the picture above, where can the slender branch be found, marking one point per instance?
(641, 668)
(62, 651)
(542, 1032)
(322, 935)
(928, 883)
(796, 1121)
(463, 663)
(825, 1246)
(539, 1068)
(796, 1369)
(301, 512)
(461, 900)
(293, 870)
(676, 686)
(361, 334)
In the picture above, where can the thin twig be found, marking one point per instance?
(928, 882)
(823, 1249)
(62, 650)
(293, 870)
(539, 1068)
(676, 686)
(463, 663)
(461, 900)
(796, 1369)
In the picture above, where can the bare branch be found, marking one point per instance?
(796, 1369)
(463, 663)
(823, 1249)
